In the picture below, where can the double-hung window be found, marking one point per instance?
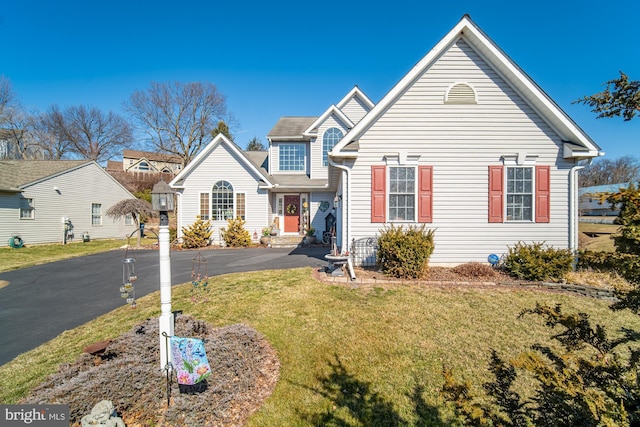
(292, 157)
(96, 214)
(406, 196)
(402, 193)
(27, 211)
(519, 194)
(204, 206)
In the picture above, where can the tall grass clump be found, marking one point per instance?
(404, 253)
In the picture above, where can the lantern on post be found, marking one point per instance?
(162, 200)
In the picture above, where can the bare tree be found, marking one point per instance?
(134, 207)
(178, 118)
(90, 133)
(605, 171)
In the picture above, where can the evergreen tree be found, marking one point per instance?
(196, 235)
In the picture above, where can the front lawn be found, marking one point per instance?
(348, 355)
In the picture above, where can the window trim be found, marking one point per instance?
(541, 200)
(336, 137)
(94, 216)
(30, 208)
(205, 216)
(230, 199)
(403, 195)
(423, 187)
(289, 145)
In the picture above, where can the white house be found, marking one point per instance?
(42, 200)
(465, 143)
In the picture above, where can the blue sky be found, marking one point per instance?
(281, 58)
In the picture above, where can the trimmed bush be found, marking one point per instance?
(196, 235)
(405, 253)
(538, 262)
(235, 235)
(626, 265)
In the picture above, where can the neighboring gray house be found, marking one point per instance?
(40, 200)
(465, 143)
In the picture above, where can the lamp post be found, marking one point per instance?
(162, 201)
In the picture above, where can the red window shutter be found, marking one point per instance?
(496, 193)
(543, 193)
(378, 193)
(425, 194)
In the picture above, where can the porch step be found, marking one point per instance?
(286, 241)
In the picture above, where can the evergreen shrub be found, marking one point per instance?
(235, 235)
(538, 262)
(196, 235)
(405, 253)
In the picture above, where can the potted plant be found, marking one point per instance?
(311, 235)
(266, 233)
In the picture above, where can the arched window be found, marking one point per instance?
(329, 140)
(143, 166)
(222, 201)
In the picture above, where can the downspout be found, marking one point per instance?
(346, 213)
(573, 206)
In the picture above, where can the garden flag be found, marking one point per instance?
(189, 360)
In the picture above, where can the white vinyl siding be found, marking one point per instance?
(355, 109)
(460, 141)
(223, 164)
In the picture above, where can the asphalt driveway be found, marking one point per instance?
(43, 301)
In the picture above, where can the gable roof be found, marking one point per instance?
(312, 130)
(219, 140)
(467, 30)
(355, 93)
(156, 157)
(291, 128)
(15, 175)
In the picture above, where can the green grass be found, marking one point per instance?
(30, 255)
(364, 356)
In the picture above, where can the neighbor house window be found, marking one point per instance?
(329, 140)
(292, 157)
(204, 206)
(240, 206)
(96, 214)
(143, 166)
(27, 210)
(402, 193)
(128, 219)
(222, 201)
(519, 193)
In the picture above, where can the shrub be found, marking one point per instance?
(196, 235)
(475, 270)
(405, 253)
(235, 235)
(538, 262)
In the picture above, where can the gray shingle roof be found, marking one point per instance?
(290, 128)
(15, 174)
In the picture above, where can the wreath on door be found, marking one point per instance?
(292, 209)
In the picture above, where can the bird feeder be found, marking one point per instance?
(127, 290)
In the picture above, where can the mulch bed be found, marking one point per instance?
(245, 370)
